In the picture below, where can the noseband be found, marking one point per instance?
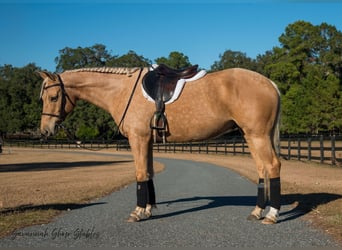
(65, 96)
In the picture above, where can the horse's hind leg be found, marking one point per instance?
(268, 167)
(143, 159)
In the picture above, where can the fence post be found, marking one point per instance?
(234, 149)
(321, 146)
(298, 148)
(225, 146)
(309, 148)
(289, 148)
(333, 153)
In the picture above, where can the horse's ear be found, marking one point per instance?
(46, 74)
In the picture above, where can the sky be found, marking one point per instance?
(34, 31)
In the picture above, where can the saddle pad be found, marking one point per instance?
(179, 86)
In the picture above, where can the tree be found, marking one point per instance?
(87, 133)
(308, 44)
(19, 102)
(307, 69)
(285, 74)
(175, 60)
(131, 59)
(233, 59)
(312, 106)
(69, 58)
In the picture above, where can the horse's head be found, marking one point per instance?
(56, 102)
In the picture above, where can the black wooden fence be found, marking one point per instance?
(322, 149)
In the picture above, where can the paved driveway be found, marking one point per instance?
(199, 204)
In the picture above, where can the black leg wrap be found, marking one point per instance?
(275, 192)
(145, 193)
(151, 199)
(261, 198)
(142, 193)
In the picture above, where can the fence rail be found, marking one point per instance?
(322, 149)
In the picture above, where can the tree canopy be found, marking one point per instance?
(307, 68)
(175, 60)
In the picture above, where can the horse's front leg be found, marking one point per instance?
(143, 159)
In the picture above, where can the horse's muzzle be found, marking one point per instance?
(47, 131)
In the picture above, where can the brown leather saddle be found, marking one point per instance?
(160, 85)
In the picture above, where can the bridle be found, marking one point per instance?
(65, 97)
(62, 114)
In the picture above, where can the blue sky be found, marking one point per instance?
(35, 31)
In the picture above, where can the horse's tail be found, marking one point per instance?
(275, 137)
(276, 133)
(276, 126)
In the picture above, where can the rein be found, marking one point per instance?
(129, 102)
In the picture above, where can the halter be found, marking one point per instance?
(65, 96)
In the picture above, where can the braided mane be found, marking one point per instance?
(110, 70)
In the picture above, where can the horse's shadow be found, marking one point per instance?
(45, 166)
(300, 204)
(53, 206)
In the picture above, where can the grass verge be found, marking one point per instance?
(37, 185)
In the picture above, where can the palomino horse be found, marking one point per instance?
(207, 108)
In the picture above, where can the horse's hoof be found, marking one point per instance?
(132, 219)
(256, 214)
(271, 217)
(140, 214)
(253, 217)
(269, 220)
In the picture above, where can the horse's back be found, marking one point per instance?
(238, 86)
(212, 105)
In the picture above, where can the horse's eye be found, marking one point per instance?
(54, 98)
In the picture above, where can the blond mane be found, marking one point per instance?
(109, 70)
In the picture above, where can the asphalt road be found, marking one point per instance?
(199, 204)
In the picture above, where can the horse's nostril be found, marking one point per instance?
(45, 132)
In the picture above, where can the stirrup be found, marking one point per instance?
(158, 121)
(158, 124)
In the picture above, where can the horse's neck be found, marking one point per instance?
(106, 91)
